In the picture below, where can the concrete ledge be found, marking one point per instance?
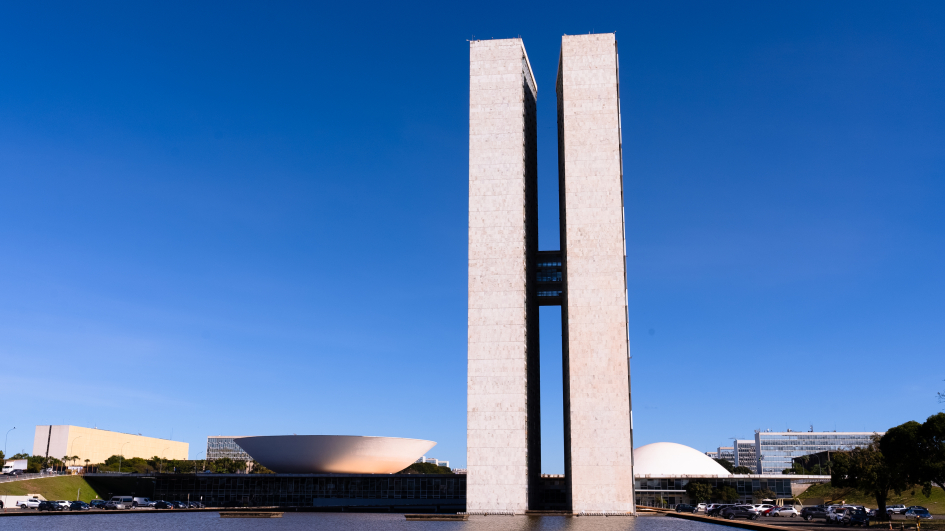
(437, 517)
(744, 524)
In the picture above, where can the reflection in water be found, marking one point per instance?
(341, 521)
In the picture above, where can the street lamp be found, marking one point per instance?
(5, 441)
(120, 455)
(71, 446)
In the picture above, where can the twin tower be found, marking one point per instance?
(509, 278)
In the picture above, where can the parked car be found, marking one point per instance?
(32, 503)
(65, 504)
(918, 512)
(47, 505)
(834, 514)
(767, 512)
(896, 509)
(739, 511)
(17, 472)
(198, 505)
(79, 506)
(684, 508)
(813, 511)
(140, 502)
(855, 516)
(97, 504)
(786, 511)
(716, 508)
(126, 502)
(179, 505)
(161, 504)
(700, 508)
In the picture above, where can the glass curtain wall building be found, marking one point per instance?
(220, 446)
(745, 454)
(775, 450)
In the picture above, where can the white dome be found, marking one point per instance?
(664, 459)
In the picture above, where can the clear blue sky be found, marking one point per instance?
(250, 219)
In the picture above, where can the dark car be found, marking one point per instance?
(49, 506)
(97, 504)
(79, 506)
(198, 505)
(179, 505)
(739, 511)
(917, 512)
(161, 504)
(15, 473)
(684, 508)
(721, 507)
(854, 516)
(814, 511)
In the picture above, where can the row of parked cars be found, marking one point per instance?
(117, 502)
(843, 515)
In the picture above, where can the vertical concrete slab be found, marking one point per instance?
(598, 439)
(502, 241)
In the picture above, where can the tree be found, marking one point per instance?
(902, 449)
(425, 468)
(725, 493)
(764, 494)
(866, 469)
(726, 464)
(741, 470)
(699, 491)
(257, 468)
(932, 441)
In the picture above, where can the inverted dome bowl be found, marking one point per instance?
(334, 454)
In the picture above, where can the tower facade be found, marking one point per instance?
(509, 278)
(598, 437)
(502, 407)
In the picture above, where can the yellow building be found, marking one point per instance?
(98, 445)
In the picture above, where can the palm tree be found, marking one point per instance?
(87, 461)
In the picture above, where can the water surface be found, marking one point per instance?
(334, 521)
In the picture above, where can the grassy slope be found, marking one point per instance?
(56, 488)
(65, 487)
(935, 503)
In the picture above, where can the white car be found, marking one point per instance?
(700, 508)
(835, 513)
(31, 503)
(784, 511)
(65, 504)
(895, 509)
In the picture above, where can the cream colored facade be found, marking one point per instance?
(598, 438)
(502, 176)
(506, 270)
(98, 445)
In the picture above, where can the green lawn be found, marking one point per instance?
(54, 488)
(935, 503)
(66, 487)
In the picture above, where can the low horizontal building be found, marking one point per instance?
(662, 471)
(97, 445)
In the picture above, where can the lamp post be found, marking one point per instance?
(72, 446)
(5, 441)
(120, 455)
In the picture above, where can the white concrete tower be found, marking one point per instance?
(598, 433)
(502, 416)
